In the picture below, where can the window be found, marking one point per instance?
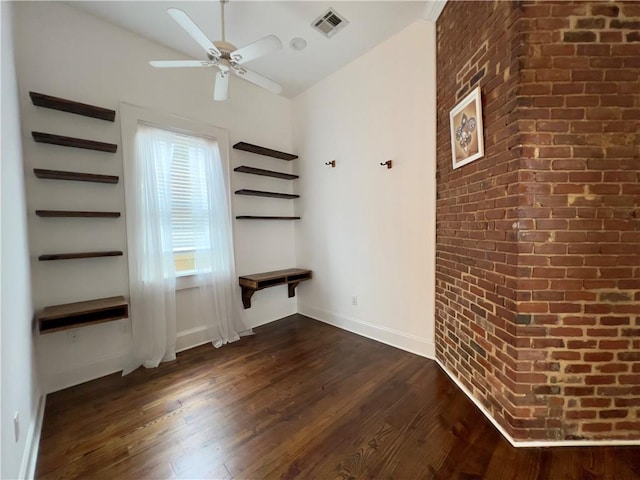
(177, 198)
(189, 204)
(176, 176)
(180, 175)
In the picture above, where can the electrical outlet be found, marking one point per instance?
(16, 426)
(72, 336)
(354, 301)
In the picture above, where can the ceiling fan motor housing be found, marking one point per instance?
(225, 49)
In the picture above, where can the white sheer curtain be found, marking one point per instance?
(152, 274)
(219, 295)
(152, 279)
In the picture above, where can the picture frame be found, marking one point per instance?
(467, 133)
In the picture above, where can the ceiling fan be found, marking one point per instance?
(223, 55)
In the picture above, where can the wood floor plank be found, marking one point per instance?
(297, 400)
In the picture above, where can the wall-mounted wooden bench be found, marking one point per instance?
(258, 281)
(72, 315)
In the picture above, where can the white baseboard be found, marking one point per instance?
(404, 341)
(533, 443)
(86, 372)
(433, 9)
(262, 314)
(32, 444)
(191, 338)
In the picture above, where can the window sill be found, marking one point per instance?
(187, 281)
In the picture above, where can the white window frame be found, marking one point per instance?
(131, 116)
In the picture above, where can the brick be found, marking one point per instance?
(602, 332)
(548, 343)
(581, 414)
(605, 10)
(598, 357)
(631, 9)
(613, 413)
(633, 426)
(625, 24)
(594, 50)
(595, 402)
(613, 368)
(597, 427)
(581, 344)
(583, 101)
(579, 36)
(629, 356)
(629, 379)
(578, 391)
(566, 332)
(578, 368)
(610, 37)
(567, 355)
(627, 402)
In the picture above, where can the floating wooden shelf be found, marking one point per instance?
(265, 173)
(248, 147)
(257, 217)
(72, 213)
(257, 281)
(64, 105)
(260, 193)
(70, 256)
(79, 314)
(52, 139)
(76, 176)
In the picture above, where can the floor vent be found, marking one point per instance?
(330, 23)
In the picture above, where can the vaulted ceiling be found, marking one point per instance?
(370, 22)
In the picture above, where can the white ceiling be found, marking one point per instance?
(370, 22)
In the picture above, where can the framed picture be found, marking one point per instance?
(467, 135)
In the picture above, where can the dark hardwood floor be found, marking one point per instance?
(299, 399)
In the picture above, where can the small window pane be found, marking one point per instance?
(189, 201)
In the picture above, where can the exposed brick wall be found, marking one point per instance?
(538, 243)
(477, 245)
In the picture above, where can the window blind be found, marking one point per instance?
(188, 190)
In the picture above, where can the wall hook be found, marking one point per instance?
(388, 163)
(332, 163)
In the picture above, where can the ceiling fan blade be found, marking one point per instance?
(179, 63)
(194, 31)
(221, 89)
(259, 48)
(257, 79)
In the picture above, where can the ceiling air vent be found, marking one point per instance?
(330, 23)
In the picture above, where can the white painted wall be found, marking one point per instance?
(19, 391)
(367, 231)
(65, 52)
